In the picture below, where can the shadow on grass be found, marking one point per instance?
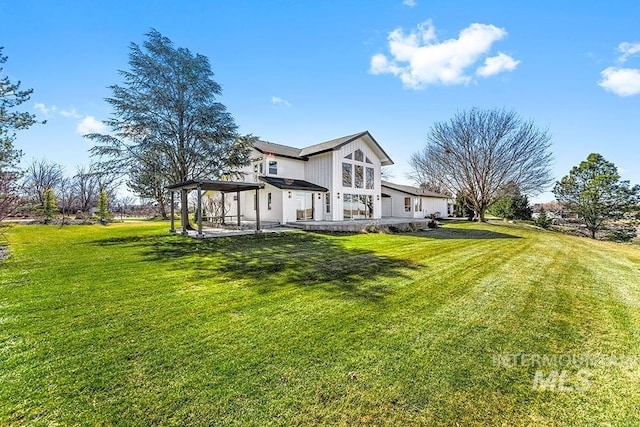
(462, 233)
(267, 262)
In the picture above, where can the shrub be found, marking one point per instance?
(624, 233)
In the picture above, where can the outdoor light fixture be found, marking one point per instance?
(378, 197)
(338, 195)
(319, 196)
(289, 194)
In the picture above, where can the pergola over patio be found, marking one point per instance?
(209, 185)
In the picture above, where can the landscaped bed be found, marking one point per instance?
(128, 324)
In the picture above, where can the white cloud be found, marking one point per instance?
(420, 60)
(621, 81)
(627, 49)
(90, 125)
(410, 3)
(70, 113)
(276, 100)
(497, 64)
(44, 109)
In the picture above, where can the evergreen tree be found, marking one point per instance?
(543, 220)
(103, 207)
(49, 205)
(594, 191)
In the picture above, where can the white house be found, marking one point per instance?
(331, 181)
(413, 202)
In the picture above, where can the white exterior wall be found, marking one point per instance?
(287, 168)
(318, 170)
(430, 205)
(275, 214)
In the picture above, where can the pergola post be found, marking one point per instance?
(223, 212)
(200, 211)
(184, 215)
(238, 207)
(257, 212)
(173, 228)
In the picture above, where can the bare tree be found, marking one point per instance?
(65, 197)
(9, 197)
(87, 184)
(40, 175)
(386, 172)
(478, 152)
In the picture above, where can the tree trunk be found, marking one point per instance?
(162, 208)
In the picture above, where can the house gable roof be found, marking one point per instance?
(312, 150)
(336, 144)
(412, 191)
(265, 147)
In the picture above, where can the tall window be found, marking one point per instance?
(269, 201)
(418, 204)
(346, 175)
(327, 202)
(407, 204)
(357, 206)
(357, 175)
(370, 179)
(273, 167)
(346, 213)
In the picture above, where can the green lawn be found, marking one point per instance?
(129, 325)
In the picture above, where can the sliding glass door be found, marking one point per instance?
(304, 206)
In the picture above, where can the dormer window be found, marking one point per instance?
(273, 167)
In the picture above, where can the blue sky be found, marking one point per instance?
(301, 72)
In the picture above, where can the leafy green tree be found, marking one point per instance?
(543, 220)
(103, 206)
(478, 152)
(593, 190)
(49, 205)
(166, 113)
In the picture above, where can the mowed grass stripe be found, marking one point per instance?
(126, 324)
